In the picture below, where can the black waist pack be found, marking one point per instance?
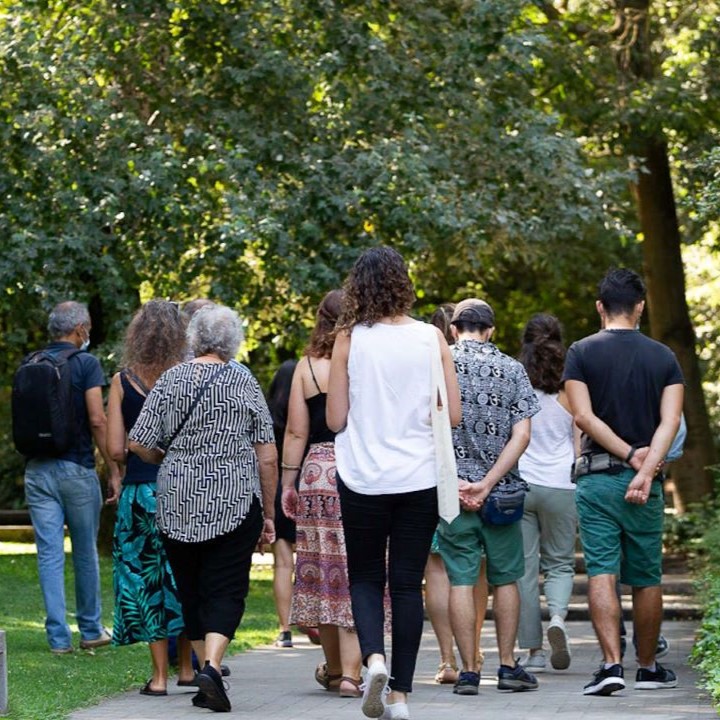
(505, 503)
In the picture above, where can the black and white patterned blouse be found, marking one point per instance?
(496, 393)
(210, 474)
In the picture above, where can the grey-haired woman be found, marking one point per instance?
(218, 474)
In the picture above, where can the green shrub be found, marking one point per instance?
(706, 651)
(12, 464)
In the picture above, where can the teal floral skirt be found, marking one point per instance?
(147, 607)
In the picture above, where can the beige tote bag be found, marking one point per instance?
(447, 478)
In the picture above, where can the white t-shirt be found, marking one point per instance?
(387, 445)
(549, 456)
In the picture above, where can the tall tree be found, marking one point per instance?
(652, 66)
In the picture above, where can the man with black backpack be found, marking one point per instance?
(57, 411)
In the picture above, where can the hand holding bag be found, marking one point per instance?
(506, 502)
(447, 478)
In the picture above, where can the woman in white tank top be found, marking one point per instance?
(549, 522)
(379, 405)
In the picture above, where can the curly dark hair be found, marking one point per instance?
(378, 286)
(543, 352)
(323, 335)
(154, 340)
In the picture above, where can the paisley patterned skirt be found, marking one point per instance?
(321, 594)
(147, 607)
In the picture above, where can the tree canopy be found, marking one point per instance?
(249, 151)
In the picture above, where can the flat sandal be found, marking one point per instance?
(353, 692)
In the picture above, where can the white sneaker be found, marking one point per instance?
(534, 662)
(373, 701)
(559, 643)
(396, 711)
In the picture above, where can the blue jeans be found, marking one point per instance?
(60, 492)
(388, 537)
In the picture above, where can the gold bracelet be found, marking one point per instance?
(285, 466)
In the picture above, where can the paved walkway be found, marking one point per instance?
(273, 684)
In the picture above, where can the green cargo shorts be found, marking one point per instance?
(464, 542)
(618, 537)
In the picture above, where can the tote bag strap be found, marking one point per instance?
(447, 479)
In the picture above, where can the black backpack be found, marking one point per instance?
(43, 407)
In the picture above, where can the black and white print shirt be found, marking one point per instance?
(496, 393)
(210, 474)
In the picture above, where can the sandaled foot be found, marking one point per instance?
(326, 679)
(349, 687)
(148, 690)
(447, 674)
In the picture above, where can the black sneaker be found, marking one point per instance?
(516, 679)
(199, 699)
(210, 682)
(648, 680)
(467, 683)
(606, 681)
(284, 640)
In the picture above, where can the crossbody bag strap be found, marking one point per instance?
(206, 385)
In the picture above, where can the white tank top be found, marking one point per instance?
(550, 454)
(387, 445)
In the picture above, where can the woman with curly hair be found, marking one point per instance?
(379, 402)
(549, 521)
(321, 595)
(147, 608)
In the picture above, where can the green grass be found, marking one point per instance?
(42, 685)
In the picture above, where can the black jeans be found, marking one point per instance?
(389, 535)
(213, 577)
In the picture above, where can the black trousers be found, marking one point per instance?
(389, 536)
(213, 577)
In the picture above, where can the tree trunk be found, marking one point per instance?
(668, 311)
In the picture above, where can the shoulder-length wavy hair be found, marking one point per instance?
(154, 340)
(323, 335)
(378, 286)
(543, 353)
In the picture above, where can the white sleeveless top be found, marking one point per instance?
(550, 454)
(387, 445)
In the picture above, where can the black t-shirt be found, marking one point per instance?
(626, 373)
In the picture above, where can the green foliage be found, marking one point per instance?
(250, 151)
(81, 679)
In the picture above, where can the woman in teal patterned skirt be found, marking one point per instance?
(147, 608)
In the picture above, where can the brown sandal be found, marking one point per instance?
(326, 679)
(349, 687)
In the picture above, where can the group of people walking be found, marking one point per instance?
(358, 478)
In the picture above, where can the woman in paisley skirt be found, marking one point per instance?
(321, 594)
(147, 608)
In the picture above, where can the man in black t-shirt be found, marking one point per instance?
(626, 392)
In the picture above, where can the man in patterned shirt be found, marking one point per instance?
(497, 404)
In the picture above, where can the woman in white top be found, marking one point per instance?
(549, 522)
(379, 404)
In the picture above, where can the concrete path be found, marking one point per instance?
(273, 684)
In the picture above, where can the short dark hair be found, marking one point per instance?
(467, 326)
(620, 291)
